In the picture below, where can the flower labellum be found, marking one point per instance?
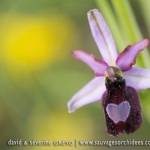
(116, 80)
(120, 104)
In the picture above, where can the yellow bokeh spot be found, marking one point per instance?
(60, 126)
(31, 42)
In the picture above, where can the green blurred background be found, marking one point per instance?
(38, 74)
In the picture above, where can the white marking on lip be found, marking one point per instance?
(118, 112)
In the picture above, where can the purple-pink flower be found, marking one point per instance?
(115, 81)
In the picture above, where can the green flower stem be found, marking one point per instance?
(108, 14)
(127, 28)
(130, 26)
(145, 8)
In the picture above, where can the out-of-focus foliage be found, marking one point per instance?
(38, 75)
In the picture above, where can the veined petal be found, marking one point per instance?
(127, 58)
(102, 36)
(137, 78)
(97, 65)
(90, 93)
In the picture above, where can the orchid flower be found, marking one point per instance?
(116, 81)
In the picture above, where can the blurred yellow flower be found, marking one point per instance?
(60, 128)
(31, 42)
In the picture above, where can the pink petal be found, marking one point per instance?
(102, 36)
(90, 93)
(127, 58)
(97, 65)
(138, 78)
